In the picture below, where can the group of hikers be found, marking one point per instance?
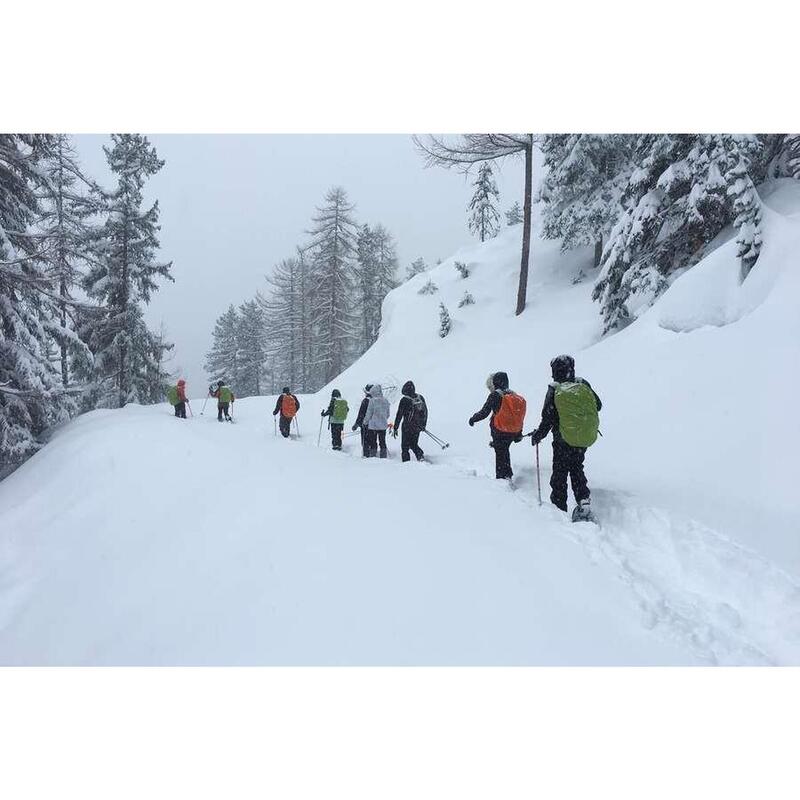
(570, 412)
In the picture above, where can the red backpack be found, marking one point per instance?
(288, 406)
(511, 416)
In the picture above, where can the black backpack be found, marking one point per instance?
(418, 416)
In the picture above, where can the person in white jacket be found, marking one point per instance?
(376, 420)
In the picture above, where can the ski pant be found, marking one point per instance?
(409, 440)
(223, 408)
(501, 442)
(373, 438)
(180, 410)
(364, 448)
(285, 426)
(336, 435)
(567, 461)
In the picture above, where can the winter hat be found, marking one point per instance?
(336, 393)
(181, 382)
(285, 390)
(367, 388)
(563, 368)
(497, 380)
(409, 388)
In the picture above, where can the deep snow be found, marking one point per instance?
(135, 538)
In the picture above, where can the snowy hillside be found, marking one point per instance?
(136, 538)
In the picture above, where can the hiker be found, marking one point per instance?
(287, 406)
(412, 412)
(177, 396)
(376, 420)
(359, 423)
(508, 415)
(337, 413)
(224, 400)
(570, 411)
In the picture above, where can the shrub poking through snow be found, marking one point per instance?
(466, 300)
(463, 269)
(445, 323)
(429, 288)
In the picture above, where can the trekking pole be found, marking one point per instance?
(297, 427)
(275, 423)
(538, 476)
(444, 445)
(204, 407)
(319, 438)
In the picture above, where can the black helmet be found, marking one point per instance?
(336, 393)
(220, 383)
(563, 368)
(367, 388)
(286, 390)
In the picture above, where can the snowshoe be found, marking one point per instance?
(583, 512)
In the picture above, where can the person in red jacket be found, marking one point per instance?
(180, 406)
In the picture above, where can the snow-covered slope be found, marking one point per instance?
(137, 538)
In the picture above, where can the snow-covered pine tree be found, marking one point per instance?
(68, 200)
(678, 198)
(32, 397)
(466, 300)
(367, 308)
(484, 221)
(222, 361)
(385, 271)
(284, 321)
(792, 146)
(415, 268)
(332, 251)
(252, 356)
(462, 269)
(124, 278)
(428, 288)
(445, 323)
(586, 175)
(514, 215)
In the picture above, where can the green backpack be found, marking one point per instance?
(172, 395)
(577, 414)
(224, 394)
(340, 411)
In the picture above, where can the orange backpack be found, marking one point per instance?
(511, 415)
(288, 406)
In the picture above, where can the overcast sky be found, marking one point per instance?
(233, 206)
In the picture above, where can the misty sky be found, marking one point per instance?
(233, 206)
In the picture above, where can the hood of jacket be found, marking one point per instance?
(499, 380)
(563, 368)
(409, 390)
(376, 390)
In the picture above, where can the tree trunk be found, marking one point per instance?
(598, 251)
(522, 291)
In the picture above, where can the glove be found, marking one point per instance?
(535, 438)
(518, 438)
(355, 427)
(394, 433)
(471, 422)
(322, 413)
(274, 413)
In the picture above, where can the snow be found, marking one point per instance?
(136, 538)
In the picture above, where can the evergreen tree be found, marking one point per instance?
(32, 397)
(445, 323)
(124, 278)
(484, 221)
(684, 190)
(514, 215)
(415, 268)
(792, 145)
(385, 270)
(284, 321)
(586, 175)
(64, 226)
(252, 350)
(376, 272)
(333, 248)
(222, 361)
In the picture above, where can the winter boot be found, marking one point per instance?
(583, 512)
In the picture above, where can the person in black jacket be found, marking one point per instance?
(567, 460)
(285, 411)
(359, 423)
(412, 412)
(497, 383)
